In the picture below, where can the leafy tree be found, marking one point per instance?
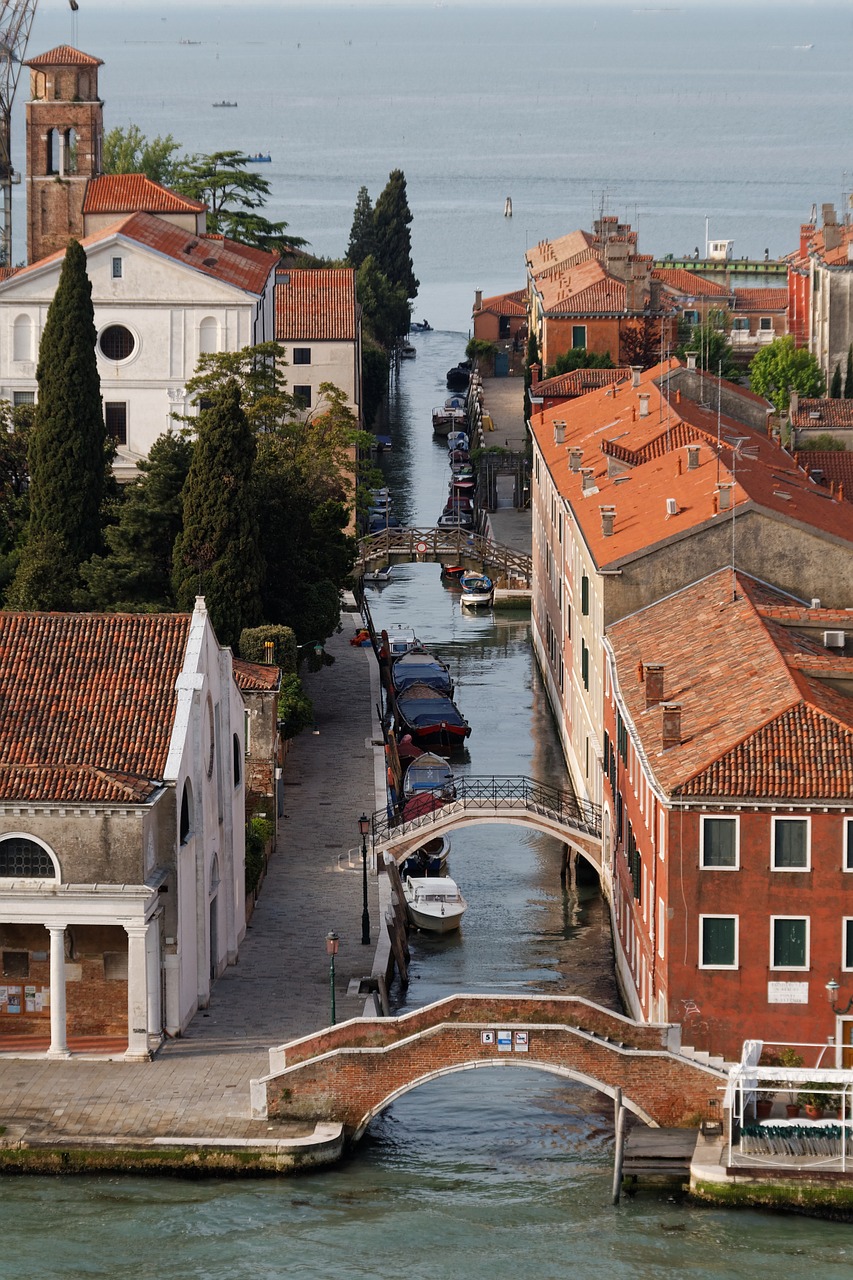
(640, 342)
(835, 385)
(709, 342)
(260, 374)
(233, 195)
(823, 442)
(848, 377)
(254, 639)
(136, 573)
(532, 359)
(375, 370)
(385, 305)
(129, 151)
(15, 426)
(392, 218)
(579, 358)
(295, 708)
(362, 236)
(69, 452)
(218, 554)
(780, 368)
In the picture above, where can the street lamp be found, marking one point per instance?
(332, 944)
(832, 989)
(364, 827)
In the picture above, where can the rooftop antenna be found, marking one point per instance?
(740, 449)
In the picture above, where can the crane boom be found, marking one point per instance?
(16, 18)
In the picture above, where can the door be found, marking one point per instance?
(845, 1039)
(501, 364)
(214, 943)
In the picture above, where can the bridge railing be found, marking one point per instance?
(447, 544)
(502, 794)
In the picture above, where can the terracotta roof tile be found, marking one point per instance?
(761, 300)
(316, 306)
(578, 382)
(506, 304)
(690, 282)
(64, 55)
(819, 415)
(256, 677)
(88, 699)
(832, 467)
(135, 193)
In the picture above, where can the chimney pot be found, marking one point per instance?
(608, 515)
(636, 371)
(587, 478)
(269, 650)
(671, 729)
(575, 459)
(691, 359)
(644, 405)
(654, 683)
(692, 457)
(794, 403)
(478, 299)
(724, 494)
(559, 432)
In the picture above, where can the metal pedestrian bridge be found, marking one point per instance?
(444, 546)
(519, 801)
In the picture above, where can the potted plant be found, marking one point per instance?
(814, 1098)
(787, 1057)
(764, 1100)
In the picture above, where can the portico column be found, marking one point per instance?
(137, 992)
(58, 1041)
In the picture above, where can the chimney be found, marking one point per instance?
(671, 728)
(644, 405)
(654, 683)
(575, 459)
(478, 299)
(587, 479)
(691, 359)
(724, 494)
(636, 371)
(678, 395)
(535, 370)
(269, 650)
(793, 403)
(608, 515)
(692, 457)
(559, 432)
(807, 230)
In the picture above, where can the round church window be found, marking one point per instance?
(117, 342)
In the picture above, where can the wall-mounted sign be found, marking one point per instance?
(787, 993)
(504, 1042)
(521, 1042)
(487, 1037)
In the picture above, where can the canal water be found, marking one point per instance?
(483, 1173)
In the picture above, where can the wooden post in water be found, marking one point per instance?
(564, 862)
(619, 1152)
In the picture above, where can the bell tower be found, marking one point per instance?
(65, 130)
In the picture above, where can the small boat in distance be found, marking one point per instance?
(259, 159)
(224, 104)
(420, 326)
(378, 576)
(407, 351)
(434, 903)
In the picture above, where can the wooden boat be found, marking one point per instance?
(429, 773)
(378, 576)
(259, 159)
(407, 351)
(456, 520)
(445, 421)
(458, 379)
(452, 572)
(420, 326)
(478, 591)
(457, 440)
(434, 904)
(431, 717)
(418, 666)
(224, 104)
(429, 860)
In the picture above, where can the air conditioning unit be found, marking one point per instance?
(834, 639)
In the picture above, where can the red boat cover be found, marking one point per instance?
(423, 802)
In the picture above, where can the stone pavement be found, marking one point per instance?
(198, 1085)
(503, 399)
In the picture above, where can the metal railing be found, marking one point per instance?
(499, 795)
(443, 544)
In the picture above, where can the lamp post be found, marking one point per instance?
(332, 944)
(832, 989)
(364, 827)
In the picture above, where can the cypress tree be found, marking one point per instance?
(848, 377)
(391, 220)
(69, 452)
(835, 385)
(362, 236)
(218, 552)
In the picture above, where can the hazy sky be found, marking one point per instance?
(483, 4)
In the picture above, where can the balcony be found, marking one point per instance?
(744, 338)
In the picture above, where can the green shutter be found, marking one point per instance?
(718, 940)
(585, 595)
(789, 944)
(719, 843)
(790, 842)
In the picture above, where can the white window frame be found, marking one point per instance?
(117, 268)
(720, 915)
(31, 880)
(847, 968)
(845, 866)
(661, 928)
(791, 817)
(717, 817)
(793, 968)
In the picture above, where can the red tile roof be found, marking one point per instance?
(761, 300)
(64, 55)
(506, 304)
(87, 704)
(752, 723)
(256, 677)
(602, 297)
(316, 306)
(235, 264)
(831, 467)
(135, 193)
(820, 415)
(578, 382)
(689, 282)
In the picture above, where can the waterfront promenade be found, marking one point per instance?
(197, 1087)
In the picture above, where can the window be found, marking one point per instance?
(504, 327)
(21, 858)
(16, 964)
(718, 938)
(691, 317)
(789, 942)
(303, 394)
(661, 927)
(585, 596)
(117, 342)
(790, 844)
(584, 664)
(208, 336)
(578, 335)
(741, 324)
(301, 355)
(847, 943)
(765, 323)
(117, 268)
(23, 397)
(115, 420)
(719, 843)
(22, 338)
(186, 813)
(848, 844)
(238, 766)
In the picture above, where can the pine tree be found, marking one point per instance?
(362, 236)
(848, 377)
(218, 552)
(835, 385)
(391, 219)
(69, 451)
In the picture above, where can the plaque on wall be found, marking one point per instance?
(787, 993)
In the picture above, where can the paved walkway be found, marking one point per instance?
(198, 1085)
(503, 399)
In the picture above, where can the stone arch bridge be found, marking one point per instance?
(445, 546)
(351, 1072)
(520, 801)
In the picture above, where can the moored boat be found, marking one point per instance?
(418, 666)
(478, 591)
(429, 860)
(378, 576)
(399, 640)
(429, 773)
(431, 717)
(434, 903)
(457, 440)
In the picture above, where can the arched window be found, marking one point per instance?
(186, 813)
(238, 766)
(52, 157)
(22, 338)
(208, 335)
(70, 151)
(214, 874)
(24, 859)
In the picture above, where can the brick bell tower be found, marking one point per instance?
(65, 130)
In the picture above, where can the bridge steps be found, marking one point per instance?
(702, 1055)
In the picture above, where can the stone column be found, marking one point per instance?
(152, 957)
(58, 1042)
(137, 992)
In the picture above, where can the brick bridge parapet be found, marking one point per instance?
(350, 1072)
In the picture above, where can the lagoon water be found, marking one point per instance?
(661, 115)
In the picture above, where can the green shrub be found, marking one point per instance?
(294, 706)
(253, 639)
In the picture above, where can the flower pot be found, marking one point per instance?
(814, 1113)
(763, 1107)
(792, 1109)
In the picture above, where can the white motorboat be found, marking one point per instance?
(478, 591)
(378, 576)
(434, 903)
(400, 640)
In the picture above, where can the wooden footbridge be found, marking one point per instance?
(508, 567)
(520, 801)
